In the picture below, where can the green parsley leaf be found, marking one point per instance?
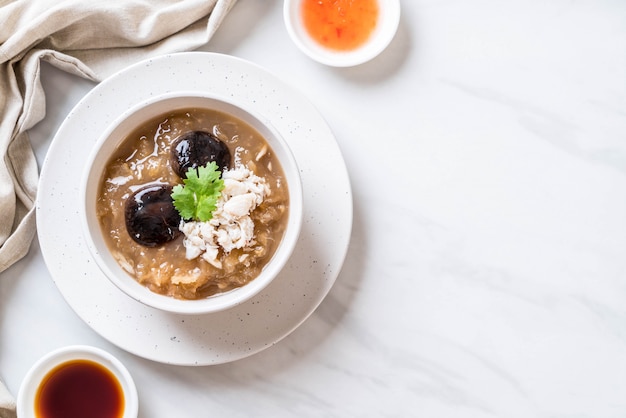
(197, 199)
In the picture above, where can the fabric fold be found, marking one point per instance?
(7, 403)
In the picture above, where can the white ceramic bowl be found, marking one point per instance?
(108, 143)
(385, 30)
(34, 377)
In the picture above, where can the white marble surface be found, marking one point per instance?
(486, 275)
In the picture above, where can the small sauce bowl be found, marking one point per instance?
(387, 21)
(78, 381)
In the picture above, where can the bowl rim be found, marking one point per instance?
(128, 285)
(379, 40)
(32, 380)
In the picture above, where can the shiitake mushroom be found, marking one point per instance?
(195, 149)
(151, 218)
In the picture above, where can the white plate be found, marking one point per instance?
(224, 336)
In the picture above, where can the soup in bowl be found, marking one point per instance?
(192, 202)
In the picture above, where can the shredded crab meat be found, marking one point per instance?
(261, 153)
(231, 226)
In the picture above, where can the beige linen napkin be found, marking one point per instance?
(7, 403)
(91, 39)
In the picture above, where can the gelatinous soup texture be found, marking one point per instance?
(145, 159)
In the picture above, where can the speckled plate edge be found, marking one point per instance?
(224, 336)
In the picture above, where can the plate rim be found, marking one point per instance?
(106, 89)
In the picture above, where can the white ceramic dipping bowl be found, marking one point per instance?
(385, 30)
(109, 142)
(38, 372)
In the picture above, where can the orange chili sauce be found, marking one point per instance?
(340, 24)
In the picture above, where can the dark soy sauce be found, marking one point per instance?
(79, 389)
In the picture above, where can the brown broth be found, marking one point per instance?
(78, 389)
(143, 159)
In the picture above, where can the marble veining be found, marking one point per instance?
(486, 271)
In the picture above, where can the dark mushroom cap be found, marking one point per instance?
(151, 218)
(195, 149)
